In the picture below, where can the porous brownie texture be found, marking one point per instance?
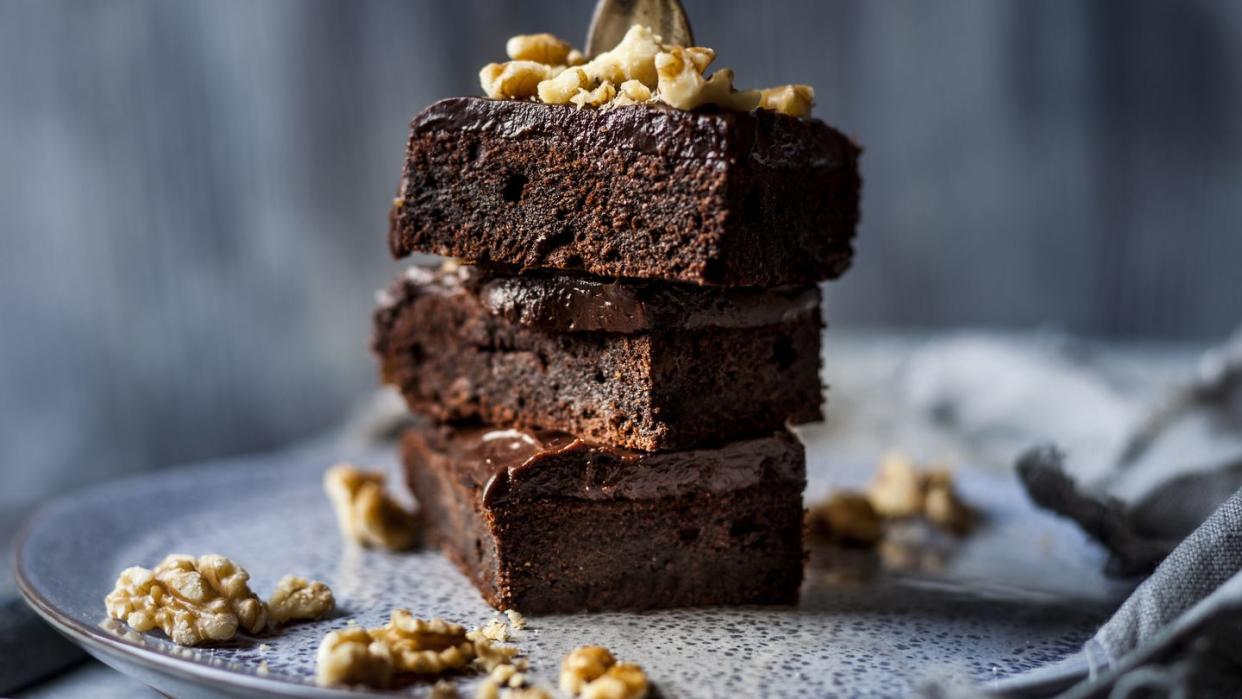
(457, 359)
(708, 197)
(544, 522)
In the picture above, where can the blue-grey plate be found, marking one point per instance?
(1022, 592)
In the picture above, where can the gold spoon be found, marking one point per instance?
(613, 18)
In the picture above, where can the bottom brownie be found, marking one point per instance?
(544, 522)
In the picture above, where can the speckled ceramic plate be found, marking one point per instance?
(1022, 592)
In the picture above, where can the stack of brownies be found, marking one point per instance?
(604, 389)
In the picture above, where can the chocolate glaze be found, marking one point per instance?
(772, 138)
(564, 302)
(508, 464)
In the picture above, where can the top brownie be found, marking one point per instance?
(708, 197)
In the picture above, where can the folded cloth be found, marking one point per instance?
(1181, 630)
(1180, 474)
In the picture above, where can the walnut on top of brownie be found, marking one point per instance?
(638, 70)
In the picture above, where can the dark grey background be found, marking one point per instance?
(192, 194)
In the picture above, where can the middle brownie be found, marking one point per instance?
(643, 365)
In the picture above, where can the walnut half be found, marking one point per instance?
(424, 647)
(404, 645)
(192, 600)
(365, 512)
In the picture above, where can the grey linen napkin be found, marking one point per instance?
(1180, 632)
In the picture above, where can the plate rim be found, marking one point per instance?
(95, 639)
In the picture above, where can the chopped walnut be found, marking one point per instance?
(503, 673)
(632, 59)
(501, 676)
(540, 48)
(583, 665)
(364, 510)
(621, 681)
(190, 600)
(443, 689)
(563, 87)
(683, 86)
(632, 92)
(526, 693)
(516, 620)
(847, 518)
(794, 100)
(943, 507)
(594, 98)
(405, 644)
(352, 656)
(593, 673)
(515, 79)
(489, 653)
(297, 599)
(897, 490)
(495, 630)
(488, 689)
(639, 69)
(424, 647)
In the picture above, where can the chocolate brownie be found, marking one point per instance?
(545, 522)
(647, 366)
(709, 197)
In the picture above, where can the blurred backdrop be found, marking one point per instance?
(193, 193)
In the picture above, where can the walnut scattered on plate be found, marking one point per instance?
(899, 491)
(299, 599)
(364, 510)
(847, 518)
(192, 600)
(208, 598)
(592, 672)
(372, 657)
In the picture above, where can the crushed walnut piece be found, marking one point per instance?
(192, 600)
(794, 100)
(638, 70)
(514, 79)
(540, 48)
(424, 647)
(299, 599)
(488, 653)
(943, 507)
(443, 689)
(505, 682)
(516, 621)
(365, 512)
(495, 630)
(897, 490)
(901, 490)
(356, 655)
(846, 518)
(593, 673)
(351, 656)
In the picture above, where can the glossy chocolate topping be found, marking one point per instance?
(775, 139)
(568, 303)
(564, 302)
(509, 464)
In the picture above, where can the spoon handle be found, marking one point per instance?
(613, 18)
